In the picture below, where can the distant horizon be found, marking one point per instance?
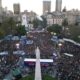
(37, 5)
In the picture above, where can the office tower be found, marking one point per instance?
(1, 6)
(16, 8)
(46, 6)
(58, 5)
(0, 3)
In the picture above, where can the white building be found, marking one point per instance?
(71, 16)
(57, 18)
(54, 18)
(24, 21)
(49, 19)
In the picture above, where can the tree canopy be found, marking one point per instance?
(36, 23)
(55, 28)
(9, 26)
(75, 33)
(20, 30)
(44, 22)
(65, 22)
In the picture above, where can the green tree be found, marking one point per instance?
(12, 25)
(2, 33)
(65, 23)
(20, 30)
(9, 26)
(75, 33)
(35, 23)
(55, 28)
(44, 22)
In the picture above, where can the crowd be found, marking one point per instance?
(69, 67)
(42, 40)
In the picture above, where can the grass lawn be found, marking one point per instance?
(31, 77)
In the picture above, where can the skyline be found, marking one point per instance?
(37, 5)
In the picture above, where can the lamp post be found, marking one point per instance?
(59, 49)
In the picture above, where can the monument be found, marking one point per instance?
(38, 67)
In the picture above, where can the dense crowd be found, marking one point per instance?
(69, 67)
(66, 68)
(42, 40)
(7, 61)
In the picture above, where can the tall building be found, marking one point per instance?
(16, 8)
(46, 6)
(1, 7)
(58, 5)
(0, 3)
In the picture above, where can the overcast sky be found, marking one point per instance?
(36, 5)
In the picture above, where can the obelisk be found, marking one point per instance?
(38, 66)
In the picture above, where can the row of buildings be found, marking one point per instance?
(58, 16)
(25, 18)
(47, 6)
(72, 17)
(55, 17)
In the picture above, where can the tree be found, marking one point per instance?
(55, 28)
(35, 23)
(9, 26)
(64, 9)
(12, 25)
(2, 33)
(44, 22)
(65, 23)
(20, 30)
(75, 33)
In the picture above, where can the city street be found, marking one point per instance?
(42, 40)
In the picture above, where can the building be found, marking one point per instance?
(72, 16)
(46, 7)
(30, 15)
(58, 5)
(16, 8)
(0, 3)
(58, 18)
(1, 6)
(49, 19)
(24, 21)
(27, 19)
(54, 18)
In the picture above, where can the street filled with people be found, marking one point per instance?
(10, 60)
(64, 68)
(69, 66)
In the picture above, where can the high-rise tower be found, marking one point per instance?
(58, 5)
(46, 6)
(16, 8)
(0, 6)
(0, 3)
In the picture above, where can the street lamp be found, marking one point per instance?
(59, 49)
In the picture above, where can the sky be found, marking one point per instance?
(36, 5)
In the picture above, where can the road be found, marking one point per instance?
(42, 40)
